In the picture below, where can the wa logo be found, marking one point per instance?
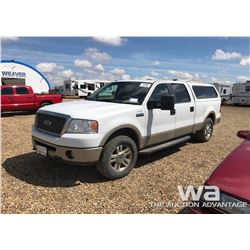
(210, 193)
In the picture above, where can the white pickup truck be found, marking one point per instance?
(125, 118)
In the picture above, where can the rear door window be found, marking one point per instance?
(6, 91)
(203, 92)
(22, 91)
(181, 93)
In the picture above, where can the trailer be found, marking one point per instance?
(225, 90)
(241, 93)
(81, 88)
(69, 87)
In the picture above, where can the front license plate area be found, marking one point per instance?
(41, 150)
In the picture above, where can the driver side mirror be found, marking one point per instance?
(167, 102)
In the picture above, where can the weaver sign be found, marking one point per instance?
(13, 74)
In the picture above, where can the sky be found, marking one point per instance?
(206, 59)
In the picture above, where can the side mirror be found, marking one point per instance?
(167, 102)
(88, 94)
(243, 134)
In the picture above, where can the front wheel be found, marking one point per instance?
(118, 157)
(206, 132)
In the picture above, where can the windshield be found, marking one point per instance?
(122, 92)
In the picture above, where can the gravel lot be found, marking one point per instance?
(33, 184)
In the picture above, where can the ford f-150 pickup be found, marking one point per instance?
(125, 118)
(21, 98)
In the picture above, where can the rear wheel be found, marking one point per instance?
(118, 158)
(206, 132)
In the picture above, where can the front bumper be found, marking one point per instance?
(70, 154)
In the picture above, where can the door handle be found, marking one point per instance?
(139, 114)
(192, 109)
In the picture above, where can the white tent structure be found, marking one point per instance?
(19, 73)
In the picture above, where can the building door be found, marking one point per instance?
(13, 81)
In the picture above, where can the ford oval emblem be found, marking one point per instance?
(47, 122)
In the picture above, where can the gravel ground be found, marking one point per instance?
(33, 184)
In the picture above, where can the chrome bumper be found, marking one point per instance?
(69, 154)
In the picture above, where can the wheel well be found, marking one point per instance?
(212, 116)
(45, 102)
(128, 132)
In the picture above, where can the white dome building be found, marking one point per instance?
(19, 73)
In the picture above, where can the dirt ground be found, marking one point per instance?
(33, 184)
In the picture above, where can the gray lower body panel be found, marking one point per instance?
(69, 154)
(165, 145)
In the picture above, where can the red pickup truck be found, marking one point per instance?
(20, 98)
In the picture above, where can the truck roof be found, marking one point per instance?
(169, 81)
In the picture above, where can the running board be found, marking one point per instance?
(165, 145)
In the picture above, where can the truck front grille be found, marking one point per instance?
(50, 122)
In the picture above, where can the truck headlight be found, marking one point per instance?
(82, 126)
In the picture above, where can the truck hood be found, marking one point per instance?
(232, 176)
(89, 109)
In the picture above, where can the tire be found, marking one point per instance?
(44, 104)
(206, 132)
(114, 167)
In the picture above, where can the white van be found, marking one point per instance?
(241, 93)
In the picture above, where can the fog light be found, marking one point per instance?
(69, 154)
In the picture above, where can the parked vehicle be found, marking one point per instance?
(82, 88)
(225, 91)
(124, 118)
(232, 177)
(241, 93)
(20, 98)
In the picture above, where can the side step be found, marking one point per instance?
(165, 145)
